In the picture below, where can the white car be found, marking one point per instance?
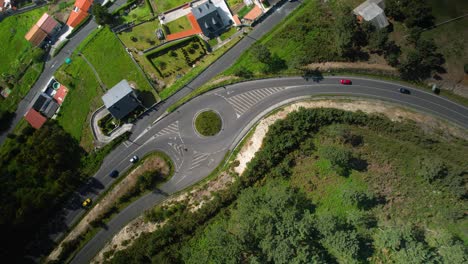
(134, 159)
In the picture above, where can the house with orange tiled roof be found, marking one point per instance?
(46, 27)
(79, 12)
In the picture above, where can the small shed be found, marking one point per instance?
(372, 11)
(121, 100)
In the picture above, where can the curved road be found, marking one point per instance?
(240, 106)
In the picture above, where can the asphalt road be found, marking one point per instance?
(51, 65)
(72, 211)
(240, 106)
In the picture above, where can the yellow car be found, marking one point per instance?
(86, 202)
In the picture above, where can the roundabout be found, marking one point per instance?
(239, 106)
(207, 123)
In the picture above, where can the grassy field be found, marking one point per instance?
(228, 33)
(141, 37)
(179, 25)
(307, 32)
(208, 123)
(85, 93)
(119, 67)
(16, 54)
(164, 5)
(138, 14)
(84, 96)
(451, 38)
(175, 60)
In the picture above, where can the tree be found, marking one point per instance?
(37, 55)
(421, 62)
(102, 15)
(393, 9)
(432, 169)
(338, 156)
(261, 53)
(347, 31)
(378, 40)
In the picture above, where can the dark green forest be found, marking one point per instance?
(328, 186)
(39, 171)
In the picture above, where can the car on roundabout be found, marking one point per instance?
(114, 174)
(134, 159)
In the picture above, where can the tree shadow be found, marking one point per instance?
(315, 75)
(147, 98)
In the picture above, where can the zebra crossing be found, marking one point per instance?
(198, 159)
(244, 101)
(170, 129)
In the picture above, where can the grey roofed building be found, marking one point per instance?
(46, 105)
(373, 11)
(209, 18)
(121, 100)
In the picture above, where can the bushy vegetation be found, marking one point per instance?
(176, 59)
(294, 204)
(38, 170)
(329, 31)
(208, 123)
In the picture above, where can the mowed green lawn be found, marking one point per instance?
(15, 53)
(179, 25)
(164, 5)
(138, 14)
(111, 61)
(84, 96)
(144, 34)
(13, 45)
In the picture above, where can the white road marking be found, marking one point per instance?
(244, 101)
(198, 159)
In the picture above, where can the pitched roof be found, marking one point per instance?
(59, 96)
(117, 92)
(47, 23)
(35, 119)
(35, 35)
(253, 14)
(120, 100)
(203, 10)
(236, 20)
(75, 18)
(84, 5)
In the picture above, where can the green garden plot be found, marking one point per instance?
(174, 61)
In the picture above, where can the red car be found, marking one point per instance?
(345, 82)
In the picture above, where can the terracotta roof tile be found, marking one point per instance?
(47, 23)
(35, 119)
(253, 14)
(35, 35)
(75, 18)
